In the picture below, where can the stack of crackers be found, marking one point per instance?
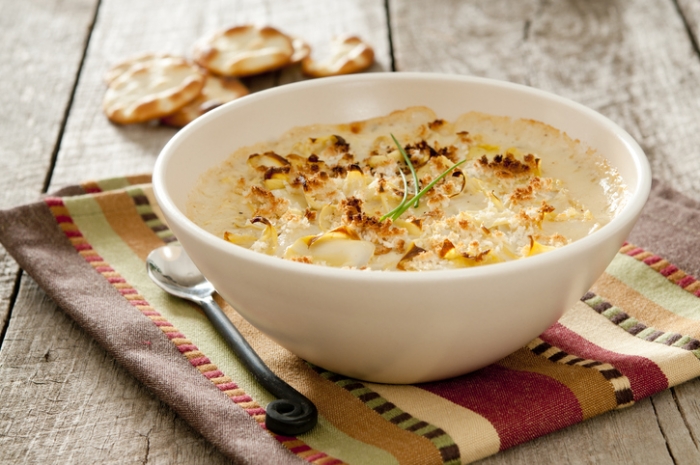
(175, 90)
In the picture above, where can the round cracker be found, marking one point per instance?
(244, 51)
(301, 50)
(152, 90)
(216, 92)
(349, 54)
(121, 67)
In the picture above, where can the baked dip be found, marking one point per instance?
(409, 191)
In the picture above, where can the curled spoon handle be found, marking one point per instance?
(292, 413)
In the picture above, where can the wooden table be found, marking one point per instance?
(64, 400)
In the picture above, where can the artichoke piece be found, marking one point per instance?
(244, 240)
(382, 160)
(510, 255)
(296, 161)
(300, 248)
(354, 181)
(457, 182)
(259, 229)
(491, 195)
(464, 260)
(537, 248)
(266, 160)
(479, 150)
(276, 177)
(413, 251)
(338, 233)
(327, 216)
(446, 247)
(273, 184)
(327, 145)
(413, 226)
(339, 247)
(475, 186)
(267, 243)
(320, 144)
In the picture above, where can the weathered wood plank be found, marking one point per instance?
(81, 407)
(611, 438)
(39, 61)
(690, 10)
(64, 399)
(635, 64)
(630, 60)
(678, 412)
(480, 38)
(94, 148)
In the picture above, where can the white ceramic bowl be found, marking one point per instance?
(394, 327)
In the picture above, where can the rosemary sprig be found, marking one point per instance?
(406, 204)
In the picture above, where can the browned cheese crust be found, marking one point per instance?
(326, 192)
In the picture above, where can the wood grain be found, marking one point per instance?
(633, 62)
(690, 11)
(93, 148)
(480, 38)
(679, 419)
(39, 61)
(609, 439)
(630, 60)
(64, 399)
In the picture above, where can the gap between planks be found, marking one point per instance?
(69, 105)
(688, 28)
(11, 305)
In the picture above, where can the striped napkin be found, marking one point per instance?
(635, 333)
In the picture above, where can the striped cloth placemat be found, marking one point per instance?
(635, 333)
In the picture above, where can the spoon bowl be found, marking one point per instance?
(173, 270)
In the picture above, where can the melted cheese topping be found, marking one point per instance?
(320, 193)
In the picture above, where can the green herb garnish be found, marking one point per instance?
(406, 204)
(410, 166)
(405, 195)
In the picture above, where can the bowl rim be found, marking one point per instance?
(629, 212)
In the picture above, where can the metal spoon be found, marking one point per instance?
(172, 269)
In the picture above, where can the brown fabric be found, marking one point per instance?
(670, 227)
(68, 191)
(31, 236)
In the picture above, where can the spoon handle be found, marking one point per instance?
(292, 413)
